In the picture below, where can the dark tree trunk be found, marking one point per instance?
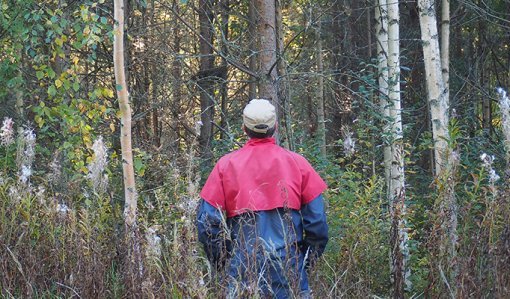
(205, 83)
(267, 71)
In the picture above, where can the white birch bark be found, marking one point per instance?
(381, 16)
(130, 193)
(504, 106)
(445, 45)
(400, 247)
(445, 161)
(395, 109)
(387, 16)
(436, 91)
(133, 255)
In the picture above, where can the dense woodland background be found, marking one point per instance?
(191, 66)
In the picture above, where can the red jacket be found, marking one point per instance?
(261, 176)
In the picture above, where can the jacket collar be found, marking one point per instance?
(259, 141)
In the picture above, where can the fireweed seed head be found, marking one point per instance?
(62, 209)
(349, 143)
(98, 165)
(153, 240)
(7, 132)
(55, 169)
(198, 125)
(487, 161)
(26, 172)
(29, 138)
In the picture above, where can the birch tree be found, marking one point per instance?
(445, 45)
(130, 194)
(504, 105)
(387, 16)
(436, 89)
(444, 160)
(381, 17)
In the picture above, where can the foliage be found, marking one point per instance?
(61, 234)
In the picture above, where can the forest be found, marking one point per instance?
(113, 114)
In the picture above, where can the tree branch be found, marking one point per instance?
(230, 61)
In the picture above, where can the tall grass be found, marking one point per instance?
(73, 245)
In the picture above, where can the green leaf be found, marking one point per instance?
(51, 73)
(118, 87)
(39, 74)
(52, 91)
(138, 164)
(76, 86)
(104, 20)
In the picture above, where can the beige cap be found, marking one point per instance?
(259, 115)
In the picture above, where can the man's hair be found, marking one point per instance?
(253, 134)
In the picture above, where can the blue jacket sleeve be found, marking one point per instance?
(211, 234)
(315, 228)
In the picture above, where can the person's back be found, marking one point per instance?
(275, 212)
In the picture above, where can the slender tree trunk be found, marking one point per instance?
(381, 16)
(130, 194)
(504, 105)
(284, 87)
(224, 48)
(176, 82)
(266, 31)
(480, 67)
(252, 28)
(369, 32)
(434, 81)
(400, 250)
(445, 45)
(445, 163)
(321, 124)
(122, 93)
(205, 83)
(155, 123)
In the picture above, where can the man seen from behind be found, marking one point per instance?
(275, 224)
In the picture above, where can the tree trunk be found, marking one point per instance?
(481, 51)
(321, 124)
(224, 84)
(176, 82)
(400, 250)
(504, 104)
(130, 195)
(445, 164)
(445, 45)
(266, 31)
(381, 16)
(435, 84)
(284, 87)
(252, 28)
(204, 82)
